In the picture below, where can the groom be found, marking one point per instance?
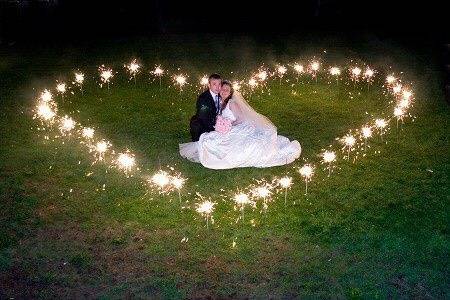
(208, 106)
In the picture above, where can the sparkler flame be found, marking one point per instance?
(126, 161)
(67, 124)
(61, 87)
(366, 132)
(44, 111)
(88, 132)
(380, 123)
(335, 71)
(46, 96)
(298, 68)
(285, 182)
(307, 171)
(160, 179)
(328, 156)
(79, 78)
(204, 81)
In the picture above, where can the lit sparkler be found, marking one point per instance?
(349, 141)
(79, 79)
(105, 75)
(285, 182)
(133, 68)
(178, 182)
(126, 161)
(307, 171)
(61, 88)
(206, 208)
(241, 200)
(328, 157)
(67, 124)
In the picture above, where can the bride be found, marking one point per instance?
(252, 140)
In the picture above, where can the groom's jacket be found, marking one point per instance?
(206, 111)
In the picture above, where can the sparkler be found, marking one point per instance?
(355, 72)
(366, 133)
(46, 96)
(314, 66)
(299, 69)
(252, 83)
(262, 75)
(281, 71)
(263, 192)
(126, 161)
(399, 113)
(307, 171)
(178, 182)
(181, 80)
(380, 124)
(45, 112)
(349, 140)
(67, 124)
(105, 75)
(61, 88)
(285, 182)
(390, 79)
(328, 157)
(335, 71)
(206, 208)
(397, 88)
(241, 200)
(368, 74)
(158, 71)
(79, 79)
(133, 68)
(161, 179)
(204, 81)
(100, 148)
(88, 133)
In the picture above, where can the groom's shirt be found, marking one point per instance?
(216, 99)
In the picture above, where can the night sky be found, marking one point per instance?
(27, 21)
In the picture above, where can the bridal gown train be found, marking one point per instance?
(245, 145)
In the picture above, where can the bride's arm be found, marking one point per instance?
(236, 112)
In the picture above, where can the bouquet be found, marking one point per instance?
(223, 125)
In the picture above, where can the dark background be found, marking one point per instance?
(63, 20)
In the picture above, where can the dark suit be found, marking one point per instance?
(205, 117)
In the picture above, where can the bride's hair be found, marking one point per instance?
(225, 101)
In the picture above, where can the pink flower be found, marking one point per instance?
(223, 125)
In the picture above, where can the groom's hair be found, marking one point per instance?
(214, 76)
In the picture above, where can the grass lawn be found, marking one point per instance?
(69, 228)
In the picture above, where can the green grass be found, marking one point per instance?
(377, 228)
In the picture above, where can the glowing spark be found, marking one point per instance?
(262, 75)
(88, 133)
(298, 68)
(67, 124)
(236, 86)
(161, 179)
(390, 79)
(285, 182)
(79, 78)
(366, 132)
(315, 65)
(241, 200)
(44, 111)
(355, 73)
(307, 171)
(368, 73)
(335, 71)
(204, 81)
(61, 87)
(101, 148)
(126, 161)
(397, 88)
(398, 112)
(105, 74)
(281, 70)
(349, 140)
(178, 182)
(158, 71)
(252, 82)
(46, 96)
(181, 80)
(133, 68)
(328, 156)
(404, 103)
(380, 123)
(205, 208)
(407, 94)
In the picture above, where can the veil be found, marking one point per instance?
(245, 113)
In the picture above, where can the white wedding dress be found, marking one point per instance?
(247, 144)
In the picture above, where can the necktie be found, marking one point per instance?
(217, 104)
